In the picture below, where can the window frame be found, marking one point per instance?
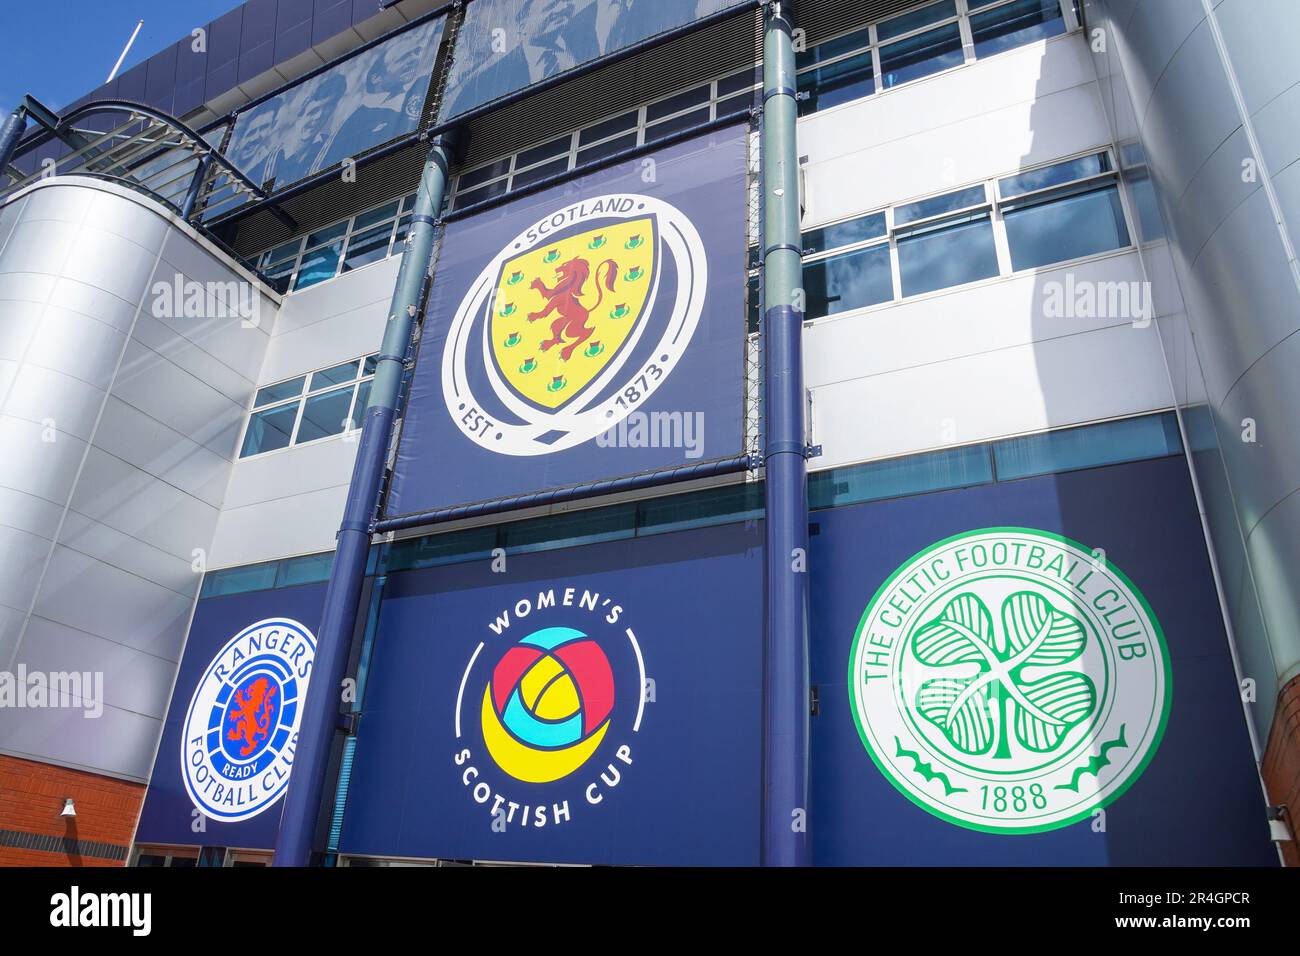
(301, 399)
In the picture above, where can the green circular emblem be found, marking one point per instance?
(1010, 680)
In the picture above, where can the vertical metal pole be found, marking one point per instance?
(786, 726)
(302, 799)
(196, 185)
(10, 133)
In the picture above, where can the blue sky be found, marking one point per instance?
(58, 50)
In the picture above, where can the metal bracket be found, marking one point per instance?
(348, 723)
(812, 451)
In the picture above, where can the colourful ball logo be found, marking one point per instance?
(547, 706)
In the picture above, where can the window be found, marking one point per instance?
(730, 95)
(1061, 212)
(918, 43)
(1015, 24)
(308, 408)
(1054, 213)
(948, 240)
(946, 253)
(340, 247)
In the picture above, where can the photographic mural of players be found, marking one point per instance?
(365, 101)
(506, 45)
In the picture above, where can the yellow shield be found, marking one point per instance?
(563, 311)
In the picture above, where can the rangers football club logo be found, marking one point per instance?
(548, 707)
(1010, 680)
(241, 728)
(574, 325)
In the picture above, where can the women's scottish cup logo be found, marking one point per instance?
(241, 728)
(1010, 680)
(548, 707)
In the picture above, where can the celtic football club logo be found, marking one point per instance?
(1010, 680)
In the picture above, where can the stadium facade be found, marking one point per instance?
(696, 433)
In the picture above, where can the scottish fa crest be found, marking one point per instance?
(573, 325)
(241, 728)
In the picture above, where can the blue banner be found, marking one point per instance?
(227, 746)
(364, 101)
(593, 330)
(1037, 674)
(592, 705)
(506, 45)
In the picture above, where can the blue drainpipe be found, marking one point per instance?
(787, 710)
(10, 133)
(302, 799)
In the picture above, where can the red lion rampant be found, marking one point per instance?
(564, 299)
(252, 715)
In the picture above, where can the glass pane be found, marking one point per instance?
(569, 530)
(744, 80)
(833, 48)
(1054, 175)
(537, 173)
(948, 256)
(701, 509)
(308, 570)
(439, 549)
(371, 362)
(269, 430)
(913, 475)
(287, 251)
(359, 406)
(383, 213)
(949, 202)
(319, 265)
(897, 26)
(607, 148)
(1016, 24)
(279, 276)
(844, 233)
(538, 153)
(851, 281)
(483, 174)
(478, 195)
(607, 127)
(1133, 439)
(839, 82)
(754, 303)
(1061, 229)
(333, 376)
(668, 127)
(254, 577)
(675, 104)
(328, 234)
(735, 105)
(324, 415)
(921, 55)
(367, 247)
(279, 392)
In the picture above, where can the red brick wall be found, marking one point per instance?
(1281, 768)
(32, 795)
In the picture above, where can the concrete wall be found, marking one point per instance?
(119, 421)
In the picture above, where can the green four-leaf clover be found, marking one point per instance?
(974, 712)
